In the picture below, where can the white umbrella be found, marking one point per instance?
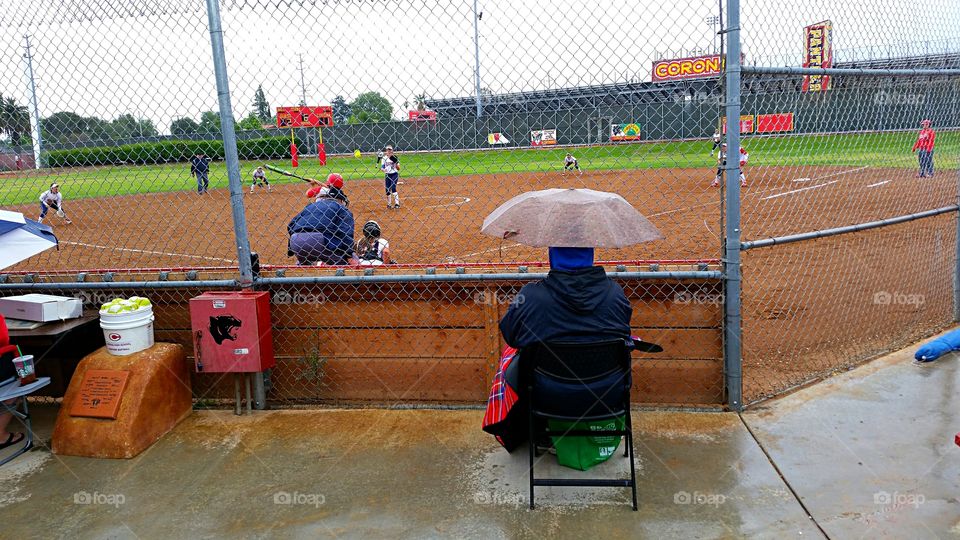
(21, 238)
(570, 218)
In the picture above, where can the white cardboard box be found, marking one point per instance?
(40, 307)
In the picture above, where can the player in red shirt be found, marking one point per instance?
(925, 141)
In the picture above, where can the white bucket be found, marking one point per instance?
(128, 332)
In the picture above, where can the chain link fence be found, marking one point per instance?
(114, 101)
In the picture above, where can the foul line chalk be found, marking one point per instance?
(792, 191)
(148, 252)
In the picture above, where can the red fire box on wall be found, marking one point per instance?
(232, 332)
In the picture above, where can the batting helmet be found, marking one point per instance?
(335, 180)
(371, 229)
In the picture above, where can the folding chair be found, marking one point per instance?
(578, 382)
(11, 389)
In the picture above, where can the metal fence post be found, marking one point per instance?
(956, 269)
(233, 167)
(732, 331)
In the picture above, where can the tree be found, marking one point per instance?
(124, 126)
(184, 127)
(252, 121)
(210, 124)
(370, 107)
(260, 105)
(14, 119)
(341, 111)
(63, 127)
(420, 102)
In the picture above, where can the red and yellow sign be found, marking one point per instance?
(697, 67)
(422, 116)
(746, 123)
(819, 54)
(295, 117)
(770, 123)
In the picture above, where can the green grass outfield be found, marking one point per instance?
(867, 149)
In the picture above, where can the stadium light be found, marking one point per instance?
(713, 21)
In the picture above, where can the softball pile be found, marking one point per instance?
(119, 305)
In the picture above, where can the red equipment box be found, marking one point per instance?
(232, 332)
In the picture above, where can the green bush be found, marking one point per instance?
(167, 152)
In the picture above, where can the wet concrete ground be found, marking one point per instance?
(868, 454)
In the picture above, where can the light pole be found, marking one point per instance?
(476, 53)
(713, 21)
(36, 133)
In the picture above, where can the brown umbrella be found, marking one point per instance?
(570, 218)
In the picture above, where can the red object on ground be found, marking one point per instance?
(293, 155)
(956, 439)
(232, 332)
(322, 153)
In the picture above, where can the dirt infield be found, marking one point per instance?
(809, 308)
(441, 217)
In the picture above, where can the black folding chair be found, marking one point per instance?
(578, 382)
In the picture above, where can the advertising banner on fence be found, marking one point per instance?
(543, 137)
(772, 123)
(746, 124)
(624, 132)
(819, 54)
(697, 67)
(497, 138)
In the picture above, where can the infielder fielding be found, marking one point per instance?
(570, 164)
(52, 198)
(390, 165)
(722, 162)
(259, 179)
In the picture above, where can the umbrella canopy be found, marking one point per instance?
(21, 238)
(570, 218)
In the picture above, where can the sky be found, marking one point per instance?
(152, 59)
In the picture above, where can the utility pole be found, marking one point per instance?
(35, 131)
(476, 51)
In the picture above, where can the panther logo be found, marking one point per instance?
(224, 327)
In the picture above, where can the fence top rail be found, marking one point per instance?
(857, 72)
(452, 278)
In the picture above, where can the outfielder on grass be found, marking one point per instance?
(52, 198)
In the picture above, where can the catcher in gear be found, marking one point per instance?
(52, 198)
(372, 250)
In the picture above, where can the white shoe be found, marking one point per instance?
(39, 220)
(715, 184)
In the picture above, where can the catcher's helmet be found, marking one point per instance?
(371, 229)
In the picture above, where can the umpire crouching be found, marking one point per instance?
(323, 231)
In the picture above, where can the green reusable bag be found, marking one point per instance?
(582, 453)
